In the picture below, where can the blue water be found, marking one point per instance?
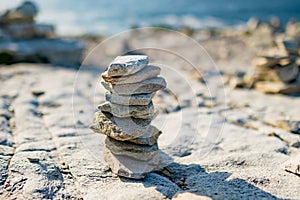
(111, 17)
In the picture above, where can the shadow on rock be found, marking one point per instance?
(179, 178)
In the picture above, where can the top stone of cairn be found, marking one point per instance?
(126, 65)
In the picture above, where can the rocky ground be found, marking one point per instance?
(225, 143)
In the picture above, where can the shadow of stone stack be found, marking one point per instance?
(131, 146)
(278, 70)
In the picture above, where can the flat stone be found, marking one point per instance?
(147, 72)
(146, 86)
(54, 51)
(150, 137)
(139, 152)
(119, 128)
(293, 165)
(142, 112)
(135, 169)
(126, 65)
(136, 99)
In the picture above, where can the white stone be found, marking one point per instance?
(136, 99)
(126, 65)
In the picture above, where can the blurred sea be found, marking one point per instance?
(108, 17)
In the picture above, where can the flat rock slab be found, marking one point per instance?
(147, 72)
(136, 99)
(139, 152)
(55, 51)
(147, 86)
(149, 138)
(126, 65)
(132, 168)
(140, 112)
(119, 128)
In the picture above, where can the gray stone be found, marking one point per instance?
(119, 128)
(150, 137)
(139, 152)
(147, 72)
(142, 112)
(135, 99)
(293, 165)
(146, 86)
(132, 168)
(55, 51)
(126, 65)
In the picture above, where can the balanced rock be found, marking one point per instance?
(131, 146)
(141, 112)
(278, 73)
(126, 65)
(135, 99)
(146, 86)
(133, 168)
(140, 152)
(119, 128)
(149, 138)
(147, 72)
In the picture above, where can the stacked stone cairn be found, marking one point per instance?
(19, 23)
(278, 71)
(131, 148)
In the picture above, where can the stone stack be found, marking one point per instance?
(22, 39)
(131, 143)
(19, 23)
(278, 72)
